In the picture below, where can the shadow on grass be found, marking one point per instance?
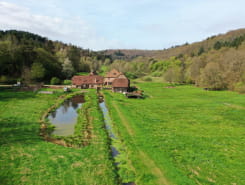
(13, 131)
(7, 94)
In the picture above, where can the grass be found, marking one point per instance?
(26, 158)
(182, 135)
(83, 73)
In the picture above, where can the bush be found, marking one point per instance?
(55, 81)
(131, 75)
(7, 80)
(240, 87)
(67, 82)
(156, 74)
(3, 79)
(147, 79)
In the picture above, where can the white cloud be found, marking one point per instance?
(70, 30)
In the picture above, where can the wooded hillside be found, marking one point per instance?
(32, 58)
(230, 38)
(215, 63)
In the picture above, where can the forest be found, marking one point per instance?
(33, 59)
(217, 63)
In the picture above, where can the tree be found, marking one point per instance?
(95, 64)
(74, 56)
(84, 65)
(37, 71)
(68, 69)
(52, 66)
(182, 72)
(212, 78)
(217, 45)
(173, 75)
(26, 75)
(201, 51)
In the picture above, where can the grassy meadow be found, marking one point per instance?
(25, 158)
(182, 135)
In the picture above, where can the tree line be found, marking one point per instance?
(220, 68)
(32, 59)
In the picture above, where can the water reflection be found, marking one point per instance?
(108, 123)
(65, 117)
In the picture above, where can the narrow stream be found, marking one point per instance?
(108, 126)
(65, 117)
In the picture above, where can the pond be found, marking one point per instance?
(65, 117)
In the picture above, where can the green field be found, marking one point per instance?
(182, 135)
(25, 158)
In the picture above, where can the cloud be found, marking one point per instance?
(95, 24)
(70, 30)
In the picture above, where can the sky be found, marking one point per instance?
(123, 24)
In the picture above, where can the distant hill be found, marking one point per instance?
(185, 49)
(208, 44)
(128, 54)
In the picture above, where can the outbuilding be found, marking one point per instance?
(120, 85)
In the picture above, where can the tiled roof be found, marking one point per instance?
(91, 79)
(120, 82)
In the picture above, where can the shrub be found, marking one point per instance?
(7, 80)
(240, 87)
(147, 79)
(3, 79)
(131, 75)
(156, 74)
(55, 81)
(67, 82)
